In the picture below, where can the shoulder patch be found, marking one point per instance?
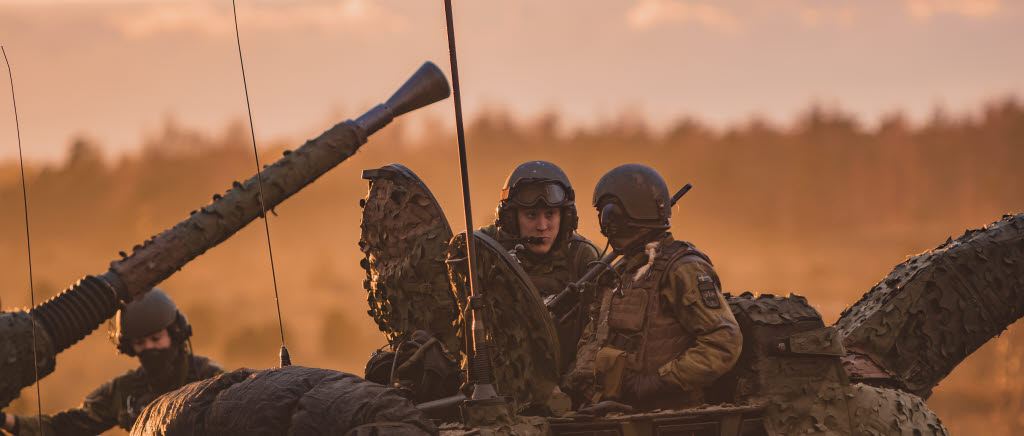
(708, 291)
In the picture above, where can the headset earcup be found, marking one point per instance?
(183, 326)
(508, 221)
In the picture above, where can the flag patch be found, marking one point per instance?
(708, 292)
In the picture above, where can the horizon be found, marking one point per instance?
(115, 69)
(413, 131)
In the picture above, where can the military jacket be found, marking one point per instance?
(117, 402)
(550, 273)
(661, 311)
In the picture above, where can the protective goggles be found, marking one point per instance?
(533, 194)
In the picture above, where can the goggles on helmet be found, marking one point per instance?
(533, 194)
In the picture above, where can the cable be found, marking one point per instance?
(28, 244)
(285, 358)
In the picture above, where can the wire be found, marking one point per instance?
(259, 181)
(28, 244)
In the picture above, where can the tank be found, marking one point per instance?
(869, 373)
(68, 317)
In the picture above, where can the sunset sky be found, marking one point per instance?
(115, 70)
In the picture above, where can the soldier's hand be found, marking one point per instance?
(605, 407)
(8, 423)
(643, 386)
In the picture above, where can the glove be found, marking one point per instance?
(605, 407)
(13, 428)
(645, 386)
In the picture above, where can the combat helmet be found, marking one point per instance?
(632, 195)
(537, 183)
(150, 314)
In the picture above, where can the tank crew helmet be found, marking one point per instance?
(537, 184)
(632, 197)
(155, 311)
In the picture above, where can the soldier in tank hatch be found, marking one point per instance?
(663, 331)
(153, 329)
(537, 211)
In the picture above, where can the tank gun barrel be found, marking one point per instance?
(70, 316)
(935, 309)
(167, 252)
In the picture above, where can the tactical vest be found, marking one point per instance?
(638, 319)
(554, 276)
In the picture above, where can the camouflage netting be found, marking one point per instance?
(878, 411)
(525, 353)
(16, 369)
(162, 255)
(404, 236)
(291, 400)
(790, 362)
(938, 307)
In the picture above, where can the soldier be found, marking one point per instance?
(153, 329)
(538, 210)
(663, 331)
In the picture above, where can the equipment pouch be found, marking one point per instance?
(609, 369)
(628, 311)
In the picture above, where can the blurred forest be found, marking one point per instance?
(824, 208)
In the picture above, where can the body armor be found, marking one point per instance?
(635, 330)
(637, 322)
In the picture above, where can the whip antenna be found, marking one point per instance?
(28, 243)
(285, 357)
(480, 366)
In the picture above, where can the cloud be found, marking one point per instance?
(924, 10)
(652, 13)
(824, 14)
(204, 18)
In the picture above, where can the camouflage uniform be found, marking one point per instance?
(551, 272)
(543, 184)
(670, 318)
(117, 402)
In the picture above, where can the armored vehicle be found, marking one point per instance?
(869, 373)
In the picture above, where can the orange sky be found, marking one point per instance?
(116, 69)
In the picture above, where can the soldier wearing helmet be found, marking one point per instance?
(537, 211)
(664, 330)
(152, 329)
